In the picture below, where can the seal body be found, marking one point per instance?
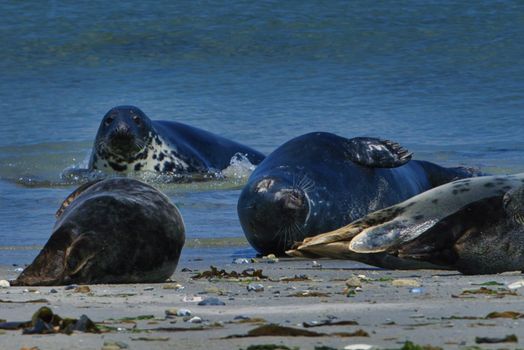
(128, 141)
(472, 225)
(320, 181)
(117, 230)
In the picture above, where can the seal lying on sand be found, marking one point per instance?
(112, 231)
(127, 140)
(320, 181)
(473, 225)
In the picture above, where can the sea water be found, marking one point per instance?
(443, 78)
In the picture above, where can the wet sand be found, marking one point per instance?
(391, 312)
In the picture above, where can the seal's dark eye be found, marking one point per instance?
(108, 120)
(136, 119)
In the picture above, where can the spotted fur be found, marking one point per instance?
(157, 155)
(128, 141)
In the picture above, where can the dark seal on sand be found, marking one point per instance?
(112, 231)
(320, 181)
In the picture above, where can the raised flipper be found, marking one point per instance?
(420, 213)
(69, 199)
(376, 153)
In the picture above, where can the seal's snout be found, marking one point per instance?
(273, 214)
(292, 200)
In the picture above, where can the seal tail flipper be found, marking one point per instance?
(376, 153)
(48, 267)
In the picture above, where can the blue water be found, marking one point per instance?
(443, 78)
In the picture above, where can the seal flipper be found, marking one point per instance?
(48, 267)
(442, 244)
(81, 251)
(73, 195)
(335, 244)
(376, 153)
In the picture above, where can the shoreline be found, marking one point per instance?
(429, 308)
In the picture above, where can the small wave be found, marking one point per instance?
(239, 167)
(38, 166)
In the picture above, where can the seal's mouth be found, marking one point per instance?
(120, 145)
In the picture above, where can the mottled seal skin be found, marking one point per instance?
(128, 141)
(117, 230)
(472, 225)
(320, 181)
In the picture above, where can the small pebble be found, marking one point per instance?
(175, 286)
(353, 282)
(171, 312)
(211, 302)
(255, 287)
(516, 285)
(195, 319)
(241, 318)
(71, 286)
(358, 347)
(316, 265)
(240, 261)
(4, 284)
(53, 291)
(149, 288)
(191, 299)
(416, 290)
(404, 282)
(213, 290)
(183, 312)
(270, 258)
(114, 345)
(82, 289)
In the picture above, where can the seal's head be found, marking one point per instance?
(273, 213)
(513, 202)
(123, 136)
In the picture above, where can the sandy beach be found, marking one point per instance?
(381, 308)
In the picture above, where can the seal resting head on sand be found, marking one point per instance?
(320, 181)
(472, 225)
(127, 141)
(112, 231)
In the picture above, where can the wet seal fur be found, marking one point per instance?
(117, 230)
(320, 181)
(472, 225)
(127, 141)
